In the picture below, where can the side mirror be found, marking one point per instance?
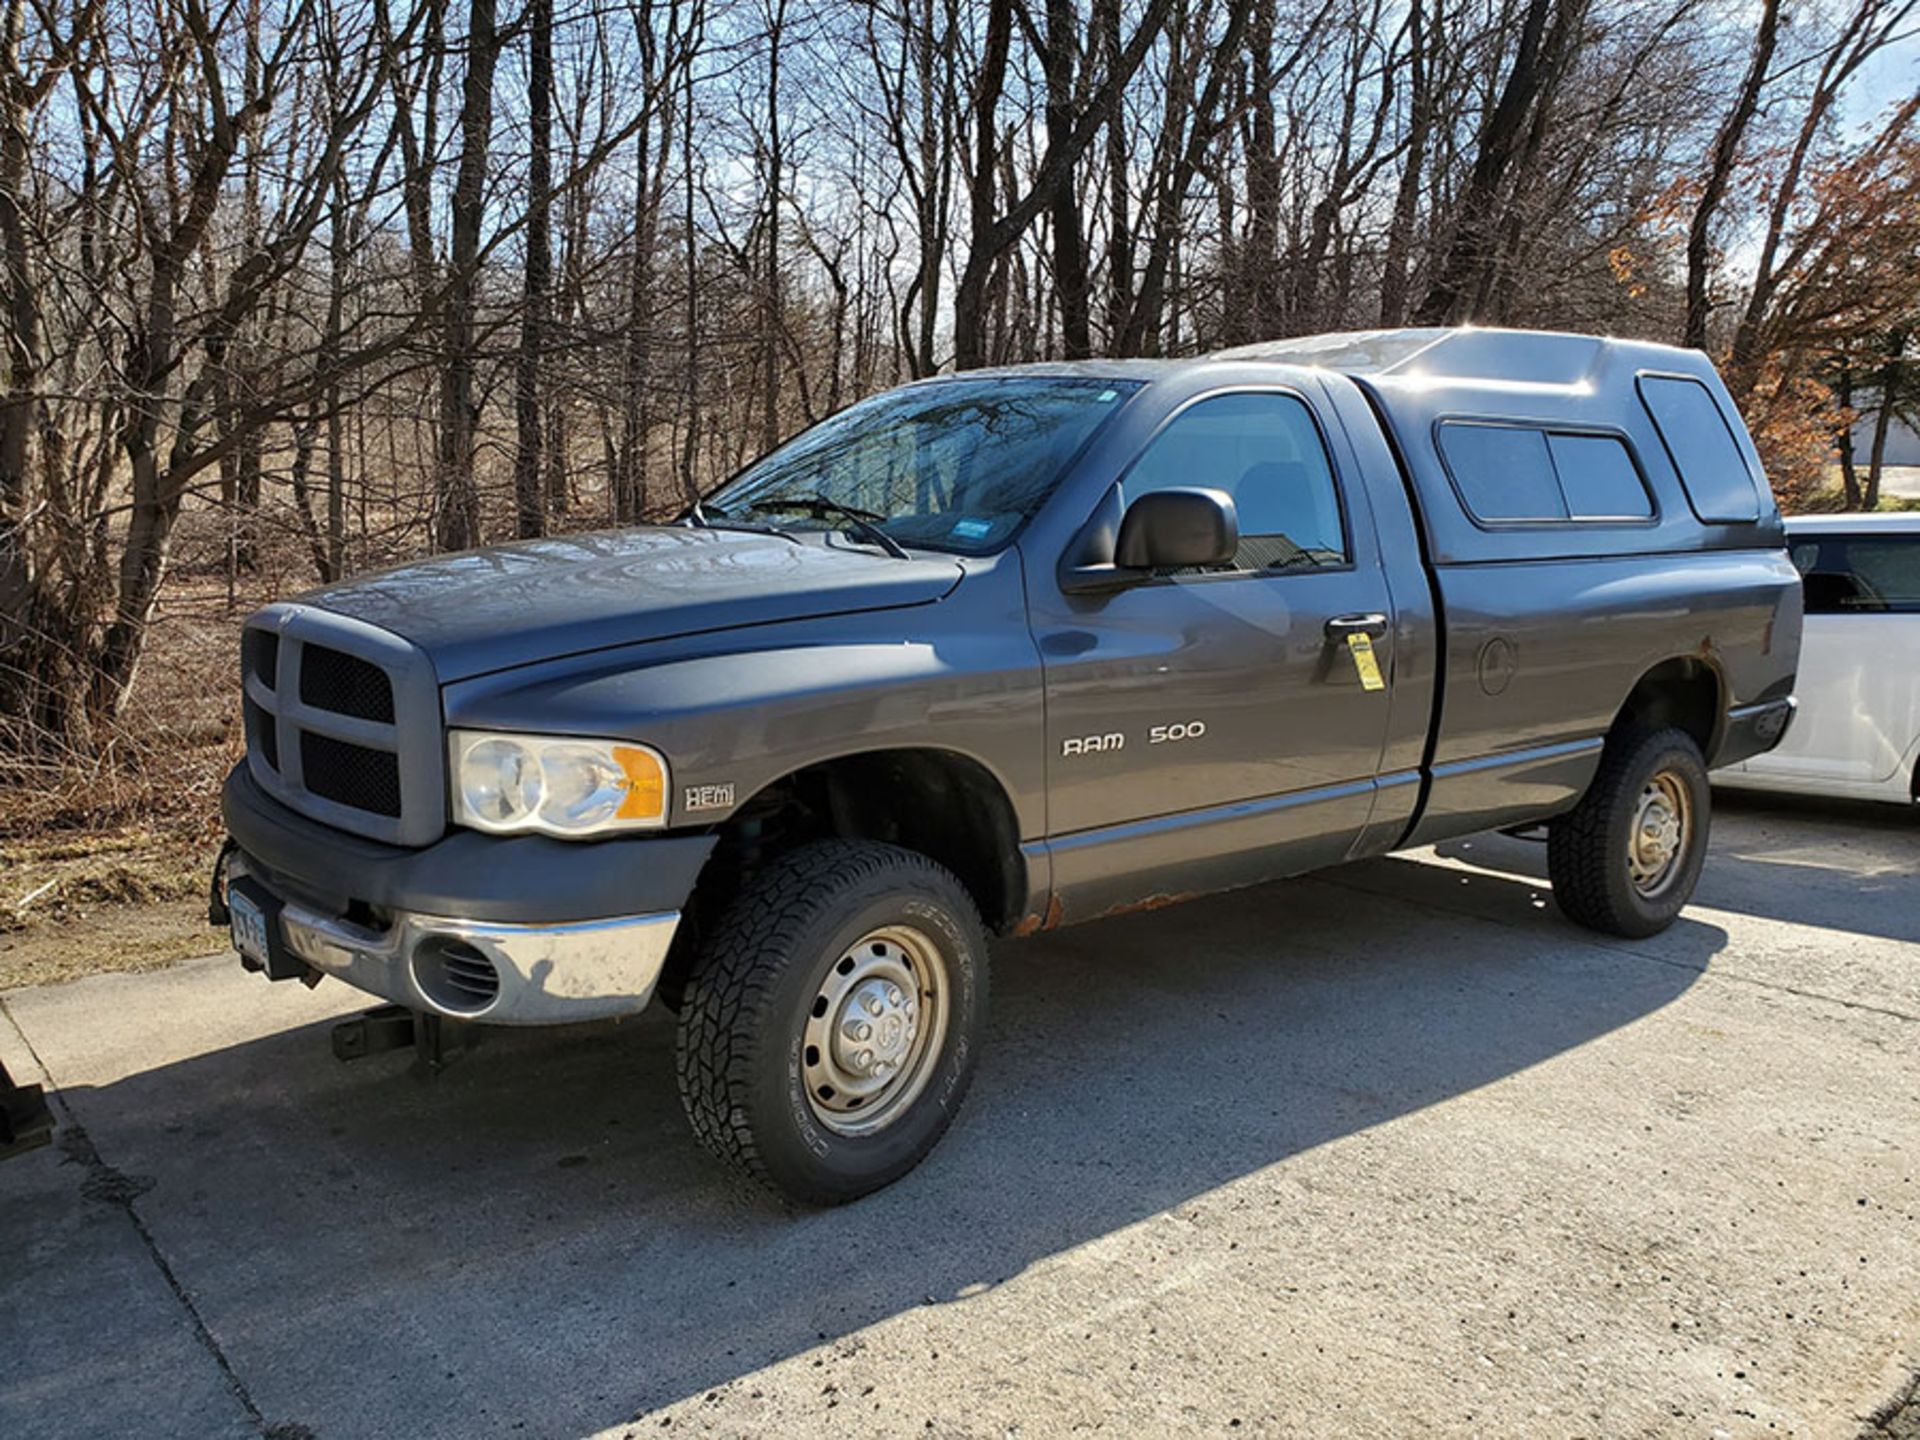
(1170, 529)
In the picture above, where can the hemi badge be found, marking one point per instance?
(709, 797)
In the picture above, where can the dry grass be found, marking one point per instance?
(106, 938)
(1898, 492)
(119, 894)
(104, 861)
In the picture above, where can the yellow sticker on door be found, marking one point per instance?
(1365, 661)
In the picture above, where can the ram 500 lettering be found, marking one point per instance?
(1007, 650)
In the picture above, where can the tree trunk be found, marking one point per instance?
(18, 405)
(970, 294)
(993, 234)
(1070, 279)
(336, 540)
(1461, 270)
(1120, 252)
(1159, 276)
(1857, 41)
(772, 281)
(244, 351)
(1395, 283)
(457, 498)
(690, 443)
(1720, 162)
(306, 434)
(1255, 314)
(529, 498)
(155, 481)
(630, 476)
(1891, 374)
(1849, 473)
(936, 170)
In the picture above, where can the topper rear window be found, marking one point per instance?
(1701, 445)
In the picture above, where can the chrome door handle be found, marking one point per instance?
(1341, 626)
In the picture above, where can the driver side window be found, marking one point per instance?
(1265, 451)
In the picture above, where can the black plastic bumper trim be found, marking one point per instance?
(1755, 729)
(523, 879)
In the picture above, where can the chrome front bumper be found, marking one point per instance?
(495, 973)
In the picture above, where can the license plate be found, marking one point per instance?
(249, 927)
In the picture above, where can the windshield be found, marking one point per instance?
(950, 465)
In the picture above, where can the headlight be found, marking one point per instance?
(557, 785)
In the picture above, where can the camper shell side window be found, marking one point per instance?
(1520, 473)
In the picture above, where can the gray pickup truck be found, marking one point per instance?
(1007, 650)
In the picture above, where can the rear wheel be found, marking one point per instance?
(1625, 860)
(830, 1024)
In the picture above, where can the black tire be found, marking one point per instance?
(1590, 848)
(751, 996)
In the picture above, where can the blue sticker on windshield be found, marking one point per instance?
(972, 529)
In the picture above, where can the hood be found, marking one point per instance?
(508, 605)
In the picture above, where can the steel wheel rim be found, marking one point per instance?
(1662, 830)
(875, 1030)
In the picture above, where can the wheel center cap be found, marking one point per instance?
(1659, 836)
(876, 1030)
(1660, 833)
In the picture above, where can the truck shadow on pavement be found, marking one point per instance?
(1837, 864)
(534, 1240)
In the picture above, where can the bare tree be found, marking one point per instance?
(529, 487)
(1864, 33)
(297, 285)
(1465, 272)
(456, 499)
(994, 228)
(1720, 166)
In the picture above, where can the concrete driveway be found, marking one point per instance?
(1390, 1150)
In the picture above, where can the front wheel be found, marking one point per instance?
(830, 1024)
(1624, 861)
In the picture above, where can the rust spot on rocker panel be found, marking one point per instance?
(1150, 902)
(1033, 924)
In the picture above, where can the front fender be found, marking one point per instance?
(735, 711)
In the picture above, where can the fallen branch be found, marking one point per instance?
(20, 905)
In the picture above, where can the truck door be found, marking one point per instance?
(1211, 728)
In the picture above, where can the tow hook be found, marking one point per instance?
(436, 1041)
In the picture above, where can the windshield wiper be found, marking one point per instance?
(861, 522)
(698, 516)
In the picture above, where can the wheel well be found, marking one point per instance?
(942, 804)
(1683, 692)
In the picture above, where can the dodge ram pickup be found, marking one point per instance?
(1006, 650)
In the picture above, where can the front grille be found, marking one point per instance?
(262, 734)
(263, 655)
(343, 723)
(351, 775)
(345, 684)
